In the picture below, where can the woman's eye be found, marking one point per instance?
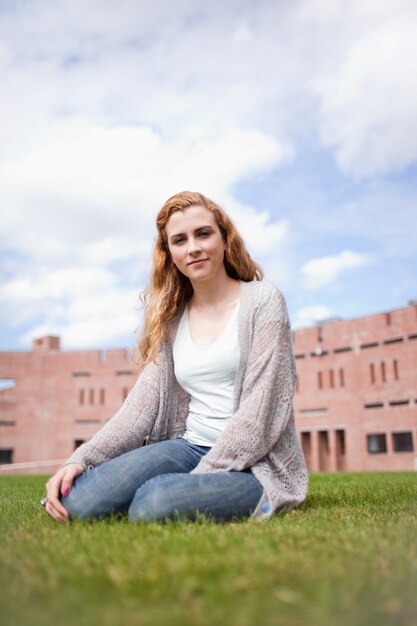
(203, 233)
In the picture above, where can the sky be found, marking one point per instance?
(299, 117)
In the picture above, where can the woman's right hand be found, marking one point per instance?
(60, 484)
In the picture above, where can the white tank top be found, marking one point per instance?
(208, 375)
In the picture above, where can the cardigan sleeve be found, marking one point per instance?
(128, 428)
(266, 403)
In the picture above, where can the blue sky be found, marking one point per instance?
(299, 117)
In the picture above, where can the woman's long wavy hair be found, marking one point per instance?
(168, 288)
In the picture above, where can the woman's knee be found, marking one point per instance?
(77, 505)
(85, 502)
(152, 500)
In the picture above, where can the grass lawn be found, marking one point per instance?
(348, 556)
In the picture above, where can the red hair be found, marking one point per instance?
(169, 289)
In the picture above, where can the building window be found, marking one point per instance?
(372, 372)
(91, 396)
(125, 392)
(324, 440)
(306, 442)
(102, 395)
(81, 397)
(388, 318)
(7, 383)
(331, 378)
(78, 443)
(383, 372)
(377, 443)
(306, 446)
(396, 376)
(323, 450)
(402, 442)
(399, 402)
(340, 441)
(393, 340)
(340, 450)
(6, 456)
(320, 380)
(313, 411)
(342, 377)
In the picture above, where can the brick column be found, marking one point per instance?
(332, 465)
(415, 452)
(314, 451)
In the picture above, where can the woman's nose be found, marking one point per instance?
(193, 245)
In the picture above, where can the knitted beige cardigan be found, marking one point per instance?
(261, 434)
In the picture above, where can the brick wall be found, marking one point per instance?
(356, 398)
(59, 399)
(357, 390)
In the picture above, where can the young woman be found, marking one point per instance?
(214, 397)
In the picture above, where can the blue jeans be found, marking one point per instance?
(154, 483)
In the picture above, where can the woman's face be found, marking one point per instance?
(195, 243)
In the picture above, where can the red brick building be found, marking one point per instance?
(56, 400)
(356, 398)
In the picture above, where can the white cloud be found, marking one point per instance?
(310, 315)
(90, 195)
(89, 333)
(262, 235)
(50, 292)
(107, 113)
(55, 284)
(243, 34)
(83, 305)
(111, 249)
(321, 272)
(82, 176)
(275, 67)
(368, 101)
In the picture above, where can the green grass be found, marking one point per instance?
(347, 557)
